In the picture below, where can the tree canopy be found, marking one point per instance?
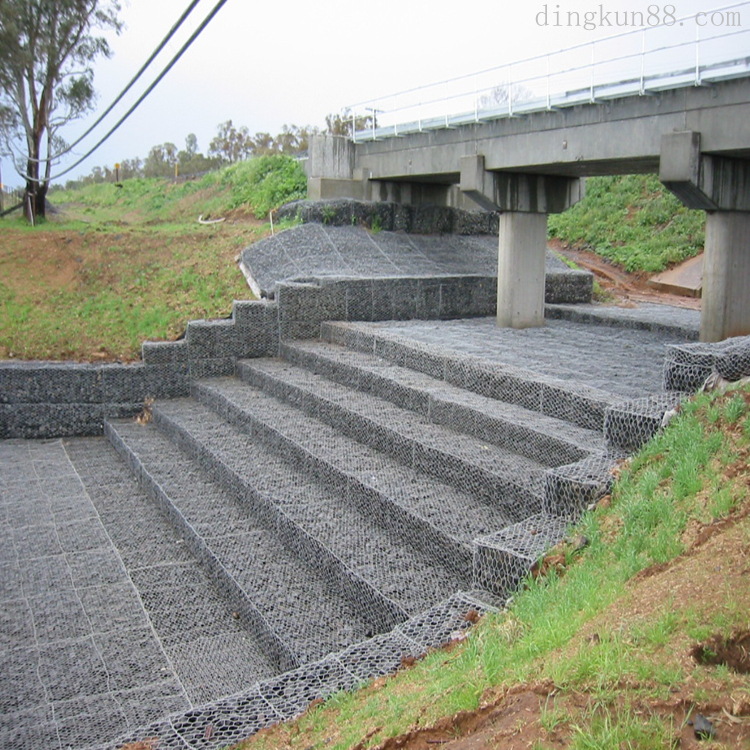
(47, 48)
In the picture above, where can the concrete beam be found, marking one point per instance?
(522, 244)
(703, 181)
(527, 193)
(726, 276)
(321, 188)
(620, 136)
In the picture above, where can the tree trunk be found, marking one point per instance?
(36, 192)
(29, 202)
(40, 201)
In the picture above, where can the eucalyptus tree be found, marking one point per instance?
(47, 50)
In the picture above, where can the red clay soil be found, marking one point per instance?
(626, 288)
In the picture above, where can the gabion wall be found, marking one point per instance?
(44, 399)
(307, 523)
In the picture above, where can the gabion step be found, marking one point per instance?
(236, 717)
(382, 573)
(530, 433)
(632, 423)
(568, 400)
(441, 520)
(500, 477)
(267, 583)
(503, 558)
(212, 652)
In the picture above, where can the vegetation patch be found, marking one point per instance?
(633, 221)
(265, 183)
(96, 293)
(597, 653)
(114, 266)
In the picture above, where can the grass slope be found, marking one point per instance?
(113, 267)
(596, 653)
(633, 221)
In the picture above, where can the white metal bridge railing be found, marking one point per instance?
(693, 50)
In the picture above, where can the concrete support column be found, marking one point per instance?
(524, 201)
(520, 269)
(726, 276)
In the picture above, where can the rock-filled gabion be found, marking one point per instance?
(312, 497)
(299, 527)
(688, 366)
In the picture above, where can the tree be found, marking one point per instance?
(161, 161)
(231, 144)
(190, 160)
(46, 80)
(341, 124)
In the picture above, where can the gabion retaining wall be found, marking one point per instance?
(321, 251)
(48, 399)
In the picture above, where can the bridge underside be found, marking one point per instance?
(527, 167)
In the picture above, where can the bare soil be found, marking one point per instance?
(626, 289)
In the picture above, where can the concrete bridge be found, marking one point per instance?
(696, 138)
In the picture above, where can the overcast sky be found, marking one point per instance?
(264, 64)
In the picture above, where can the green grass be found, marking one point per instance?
(112, 267)
(662, 490)
(116, 289)
(259, 185)
(605, 729)
(633, 221)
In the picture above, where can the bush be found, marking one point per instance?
(266, 182)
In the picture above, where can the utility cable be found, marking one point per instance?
(130, 85)
(140, 100)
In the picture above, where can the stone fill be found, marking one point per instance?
(317, 250)
(293, 530)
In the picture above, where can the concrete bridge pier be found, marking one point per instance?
(720, 186)
(726, 276)
(524, 201)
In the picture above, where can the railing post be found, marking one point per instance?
(697, 55)
(593, 60)
(476, 100)
(643, 62)
(549, 105)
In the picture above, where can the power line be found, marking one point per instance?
(133, 80)
(140, 100)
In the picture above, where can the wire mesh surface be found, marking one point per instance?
(316, 250)
(292, 532)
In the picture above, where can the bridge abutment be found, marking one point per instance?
(720, 186)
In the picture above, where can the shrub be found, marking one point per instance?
(266, 182)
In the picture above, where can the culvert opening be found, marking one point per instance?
(732, 652)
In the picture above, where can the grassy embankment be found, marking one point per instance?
(112, 267)
(632, 221)
(600, 652)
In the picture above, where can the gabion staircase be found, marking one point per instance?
(351, 502)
